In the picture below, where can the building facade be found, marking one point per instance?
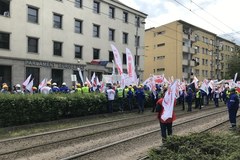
(53, 38)
(182, 50)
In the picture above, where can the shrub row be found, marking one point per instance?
(27, 109)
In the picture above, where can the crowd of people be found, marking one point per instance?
(125, 97)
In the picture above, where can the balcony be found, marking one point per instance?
(189, 50)
(185, 62)
(192, 63)
(185, 75)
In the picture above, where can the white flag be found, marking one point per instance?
(93, 79)
(80, 74)
(168, 101)
(25, 83)
(88, 82)
(130, 64)
(235, 77)
(117, 59)
(29, 86)
(42, 84)
(204, 86)
(113, 68)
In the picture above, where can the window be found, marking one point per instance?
(196, 37)
(160, 69)
(96, 53)
(57, 76)
(57, 21)
(136, 60)
(96, 30)
(111, 34)
(125, 17)
(197, 49)
(111, 56)
(161, 32)
(111, 12)
(137, 40)
(57, 48)
(32, 14)
(4, 40)
(96, 7)
(161, 44)
(125, 38)
(78, 26)
(5, 7)
(137, 21)
(78, 3)
(203, 61)
(33, 44)
(6, 75)
(35, 72)
(124, 58)
(78, 51)
(203, 50)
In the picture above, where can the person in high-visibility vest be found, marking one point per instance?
(85, 88)
(119, 94)
(198, 99)
(79, 88)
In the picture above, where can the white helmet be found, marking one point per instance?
(64, 84)
(18, 85)
(54, 84)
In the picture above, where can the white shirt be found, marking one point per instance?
(46, 90)
(111, 94)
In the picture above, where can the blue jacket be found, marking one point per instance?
(233, 102)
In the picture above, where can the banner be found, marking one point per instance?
(29, 86)
(117, 59)
(25, 83)
(130, 65)
(168, 101)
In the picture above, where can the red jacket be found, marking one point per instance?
(169, 120)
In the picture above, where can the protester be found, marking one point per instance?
(64, 88)
(110, 93)
(198, 99)
(46, 89)
(55, 88)
(130, 98)
(140, 98)
(165, 125)
(17, 89)
(233, 105)
(5, 89)
(189, 99)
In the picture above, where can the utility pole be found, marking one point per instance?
(137, 41)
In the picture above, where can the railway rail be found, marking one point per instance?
(23, 146)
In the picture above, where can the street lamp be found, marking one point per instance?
(137, 41)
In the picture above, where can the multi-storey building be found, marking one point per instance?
(181, 50)
(52, 38)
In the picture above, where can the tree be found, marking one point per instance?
(234, 65)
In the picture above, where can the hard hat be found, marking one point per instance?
(54, 84)
(34, 88)
(18, 85)
(48, 83)
(5, 86)
(64, 84)
(78, 85)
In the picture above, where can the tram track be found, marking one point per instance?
(141, 121)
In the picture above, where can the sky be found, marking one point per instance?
(221, 17)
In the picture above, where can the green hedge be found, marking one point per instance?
(26, 109)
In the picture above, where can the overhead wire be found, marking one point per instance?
(202, 18)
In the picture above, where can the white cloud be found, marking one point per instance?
(217, 16)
